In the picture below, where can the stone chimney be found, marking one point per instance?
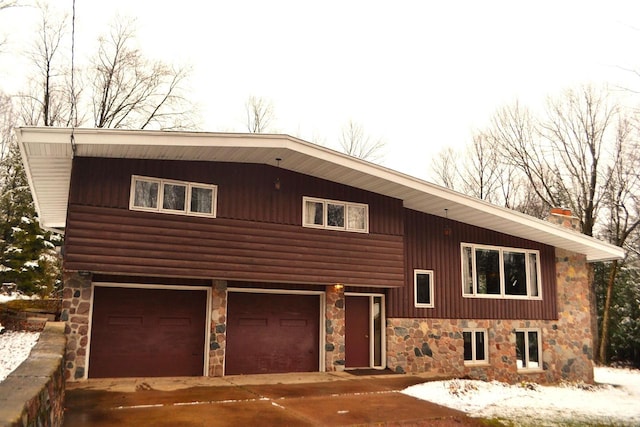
(565, 218)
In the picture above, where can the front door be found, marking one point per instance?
(357, 332)
(364, 331)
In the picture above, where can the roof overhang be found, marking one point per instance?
(47, 155)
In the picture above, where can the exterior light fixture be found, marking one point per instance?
(276, 183)
(447, 230)
(338, 286)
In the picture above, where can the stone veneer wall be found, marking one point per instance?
(436, 345)
(334, 329)
(218, 338)
(76, 304)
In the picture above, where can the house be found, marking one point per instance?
(191, 254)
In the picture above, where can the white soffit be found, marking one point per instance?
(47, 155)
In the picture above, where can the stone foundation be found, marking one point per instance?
(436, 345)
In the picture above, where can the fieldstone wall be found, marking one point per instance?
(436, 345)
(76, 304)
(334, 329)
(33, 394)
(218, 337)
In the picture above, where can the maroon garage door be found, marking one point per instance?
(272, 333)
(147, 332)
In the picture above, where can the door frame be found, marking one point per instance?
(383, 332)
(321, 321)
(207, 329)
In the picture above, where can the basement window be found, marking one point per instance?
(335, 215)
(475, 346)
(528, 349)
(499, 272)
(169, 196)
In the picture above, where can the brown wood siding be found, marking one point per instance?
(124, 242)
(427, 247)
(245, 191)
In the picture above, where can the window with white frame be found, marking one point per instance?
(475, 346)
(335, 215)
(499, 272)
(528, 349)
(169, 196)
(423, 288)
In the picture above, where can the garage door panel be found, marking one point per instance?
(147, 332)
(272, 333)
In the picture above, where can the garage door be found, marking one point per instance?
(272, 333)
(147, 332)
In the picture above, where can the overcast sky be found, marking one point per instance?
(419, 74)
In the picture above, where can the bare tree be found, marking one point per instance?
(445, 168)
(6, 4)
(355, 142)
(260, 114)
(7, 118)
(129, 90)
(479, 172)
(561, 155)
(46, 102)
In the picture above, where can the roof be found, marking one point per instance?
(47, 155)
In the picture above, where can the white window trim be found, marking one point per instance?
(474, 361)
(502, 294)
(324, 225)
(526, 346)
(187, 206)
(415, 289)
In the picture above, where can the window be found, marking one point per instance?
(528, 349)
(497, 272)
(159, 195)
(335, 215)
(423, 288)
(475, 346)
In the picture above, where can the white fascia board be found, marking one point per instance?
(372, 177)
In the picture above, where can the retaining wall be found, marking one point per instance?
(33, 394)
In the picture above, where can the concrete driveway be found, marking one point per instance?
(310, 399)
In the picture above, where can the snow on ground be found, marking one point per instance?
(615, 400)
(14, 349)
(5, 298)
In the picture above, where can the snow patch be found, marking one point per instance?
(15, 347)
(613, 400)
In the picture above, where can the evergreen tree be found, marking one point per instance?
(28, 254)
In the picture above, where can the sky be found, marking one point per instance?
(420, 75)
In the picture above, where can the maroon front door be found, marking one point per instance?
(147, 332)
(357, 330)
(272, 333)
